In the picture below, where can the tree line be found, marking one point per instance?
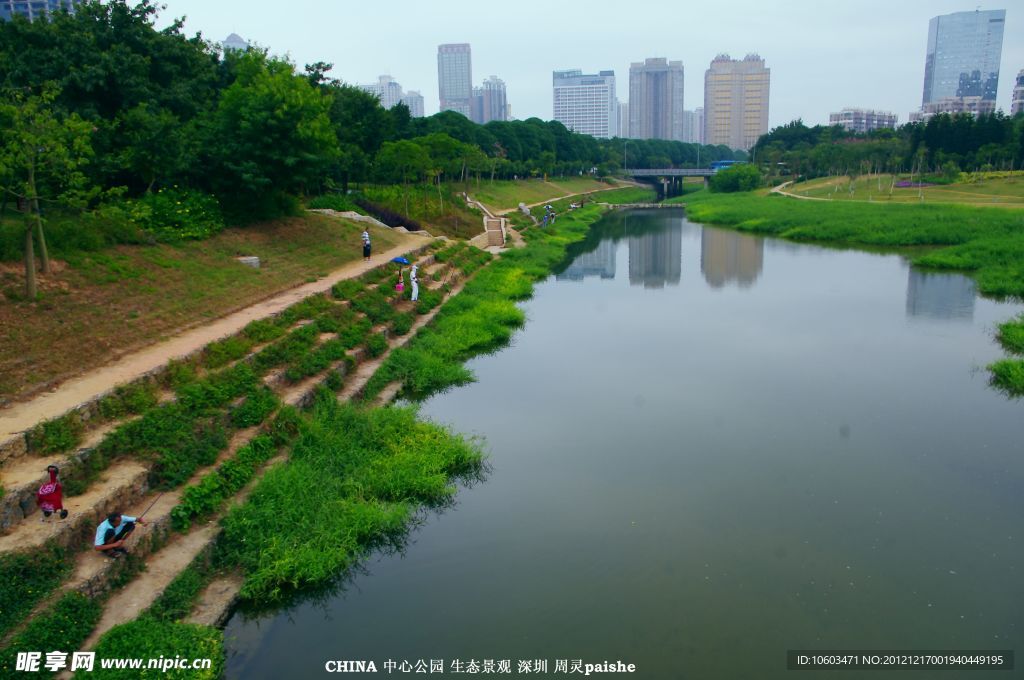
(945, 143)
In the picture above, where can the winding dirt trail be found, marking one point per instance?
(19, 417)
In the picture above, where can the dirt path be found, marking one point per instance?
(623, 185)
(22, 416)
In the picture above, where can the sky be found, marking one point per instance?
(823, 56)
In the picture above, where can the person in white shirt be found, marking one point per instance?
(112, 532)
(366, 246)
(414, 280)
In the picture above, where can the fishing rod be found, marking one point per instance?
(159, 496)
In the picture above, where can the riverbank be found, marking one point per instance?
(99, 306)
(986, 244)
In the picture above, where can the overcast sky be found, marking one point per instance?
(822, 56)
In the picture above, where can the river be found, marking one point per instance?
(706, 449)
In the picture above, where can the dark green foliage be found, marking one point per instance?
(147, 637)
(334, 381)
(255, 409)
(376, 344)
(387, 216)
(173, 214)
(309, 308)
(1008, 376)
(131, 399)
(355, 333)
(287, 349)
(316, 361)
(347, 289)
(401, 324)
(383, 464)
(57, 435)
(264, 330)
(177, 600)
(223, 352)
(428, 300)
(206, 497)
(25, 579)
(180, 372)
(64, 627)
(375, 305)
(218, 389)
(285, 426)
(741, 177)
(1011, 335)
(338, 202)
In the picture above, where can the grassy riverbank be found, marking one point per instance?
(99, 304)
(987, 244)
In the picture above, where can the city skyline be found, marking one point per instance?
(831, 57)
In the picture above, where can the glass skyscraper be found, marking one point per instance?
(455, 78)
(964, 49)
(33, 9)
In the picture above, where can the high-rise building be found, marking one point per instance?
(698, 121)
(736, 101)
(656, 99)
(586, 103)
(235, 42)
(976, 106)
(387, 90)
(964, 49)
(455, 78)
(414, 101)
(1017, 105)
(489, 101)
(863, 120)
(624, 120)
(34, 9)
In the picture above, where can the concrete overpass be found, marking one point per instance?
(668, 181)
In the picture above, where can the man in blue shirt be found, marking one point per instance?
(112, 532)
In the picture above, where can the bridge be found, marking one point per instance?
(668, 172)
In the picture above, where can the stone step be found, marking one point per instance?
(119, 485)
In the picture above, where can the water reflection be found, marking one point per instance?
(598, 262)
(727, 257)
(655, 258)
(940, 296)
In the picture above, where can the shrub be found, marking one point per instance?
(147, 637)
(376, 344)
(339, 202)
(218, 389)
(375, 305)
(428, 300)
(354, 334)
(177, 600)
(263, 330)
(53, 436)
(174, 214)
(347, 289)
(740, 177)
(131, 399)
(402, 323)
(316, 361)
(255, 409)
(222, 352)
(1011, 335)
(64, 627)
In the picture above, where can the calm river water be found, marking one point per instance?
(707, 448)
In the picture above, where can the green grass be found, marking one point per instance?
(147, 637)
(25, 579)
(1011, 335)
(64, 627)
(996, 190)
(504, 194)
(381, 465)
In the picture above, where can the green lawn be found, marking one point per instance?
(1000, 191)
(505, 194)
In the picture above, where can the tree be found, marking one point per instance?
(274, 137)
(404, 160)
(41, 157)
(742, 177)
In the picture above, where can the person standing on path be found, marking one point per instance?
(366, 246)
(415, 283)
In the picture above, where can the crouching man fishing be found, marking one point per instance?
(112, 532)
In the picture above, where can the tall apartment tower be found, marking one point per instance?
(387, 90)
(586, 103)
(656, 99)
(455, 78)
(736, 101)
(234, 42)
(624, 120)
(490, 102)
(964, 49)
(1017, 105)
(34, 9)
(698, 122)
(413, 100)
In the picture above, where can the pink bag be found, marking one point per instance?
(399, 286)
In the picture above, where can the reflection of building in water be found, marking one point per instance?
(940, 296)
(726, 257)
(599, 262)
(656, 258)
